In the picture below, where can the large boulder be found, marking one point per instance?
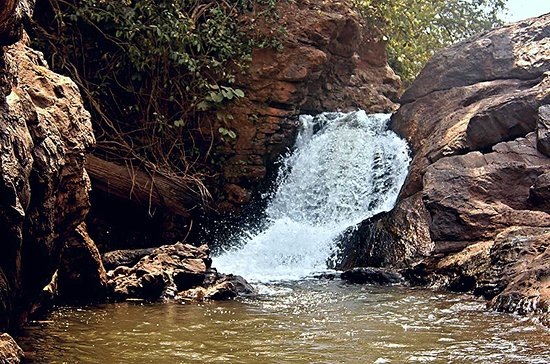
(476, 120)
(45, 133)
(10, 352)
(178, 270)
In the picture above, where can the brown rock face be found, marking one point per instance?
(476, 121)
(329, 61)
(10, 352)
(44, 135)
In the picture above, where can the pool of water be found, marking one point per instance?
(311, 321)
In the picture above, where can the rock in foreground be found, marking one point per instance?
(222, 288)
(10, 352)
(170, 269)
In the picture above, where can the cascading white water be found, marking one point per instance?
(350, 170)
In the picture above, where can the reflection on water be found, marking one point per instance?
(303, 322)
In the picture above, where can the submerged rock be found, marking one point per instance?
(224, 287)
(10, 352)
(473, 213)
(369, 275)
(170, 269)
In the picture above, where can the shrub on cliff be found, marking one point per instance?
(149, 68)
(417, 28)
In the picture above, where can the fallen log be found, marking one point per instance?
(150, 190)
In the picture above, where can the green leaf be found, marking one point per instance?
(203, 106)
(239, 92)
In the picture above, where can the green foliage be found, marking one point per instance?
(217, 95)
(416, 28)
(151, 70)
(227, 133)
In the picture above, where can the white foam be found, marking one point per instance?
(351, 169)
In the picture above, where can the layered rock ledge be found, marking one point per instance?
(473, 214)
(179, 271)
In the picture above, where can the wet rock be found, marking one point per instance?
(396, 238)
(237, 194)
(520, 271)
(327, 275)
(223, 288)
(175, 268)
(81, 275)
(156, 275)
(45, 133)
(369, 275)
(512, 271)
(127, 257)
(10, 352)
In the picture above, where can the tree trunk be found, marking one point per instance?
(131, 183)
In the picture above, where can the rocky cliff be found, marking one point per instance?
(473, 213)
(44, 135)
(330, 60)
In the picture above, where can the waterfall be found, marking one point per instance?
(344, 168)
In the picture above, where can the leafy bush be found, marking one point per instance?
(150, 68)
(416, 28)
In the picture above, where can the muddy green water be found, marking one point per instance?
(301, 322)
